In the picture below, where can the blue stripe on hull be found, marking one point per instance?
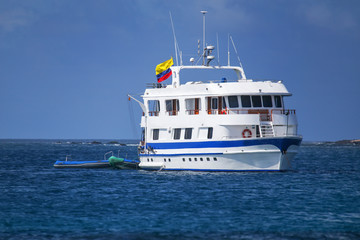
(180, 154)
(213, 170)
(282, 143)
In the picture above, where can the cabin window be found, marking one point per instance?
(188, 133)
(177, 133)
(155, 134)
(233, 102)
(256, 101)
(210, 133)
(223, 102)
(172, 107)
(192, 106)
(267, 101)
(154, 107)
(245, 101)
(277, 100)
(214, 103)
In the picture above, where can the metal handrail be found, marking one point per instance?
(284, 111)
(112, 154)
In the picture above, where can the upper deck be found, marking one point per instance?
(218, 87)
(227, 106)
(239, 86)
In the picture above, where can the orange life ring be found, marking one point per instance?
(246, 133)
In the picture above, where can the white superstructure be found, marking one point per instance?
(217, 125)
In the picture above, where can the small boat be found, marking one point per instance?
(82, 164)
(112, 162)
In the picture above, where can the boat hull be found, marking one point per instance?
(82, 164)
(256, 157)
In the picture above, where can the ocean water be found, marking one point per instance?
(318, 199)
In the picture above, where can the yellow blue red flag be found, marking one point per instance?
(163, 70)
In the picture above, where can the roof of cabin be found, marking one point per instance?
(242, 87)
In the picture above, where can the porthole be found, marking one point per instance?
(189, 159)
(208, 159)
(164, 159)
(201, 159)
(183, 159)
(215, 159)
(195, 159)
(152, 160)
(169, 160)
(148, 160)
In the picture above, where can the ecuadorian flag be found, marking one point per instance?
(163, 70)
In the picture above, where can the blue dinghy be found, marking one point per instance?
(83, 164)
(112, 162)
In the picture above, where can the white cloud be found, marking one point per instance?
(331, 17)
(13, 19)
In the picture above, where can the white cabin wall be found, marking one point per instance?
(228, 125)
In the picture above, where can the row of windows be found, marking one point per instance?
(247, 101)
(193, 105)
(177, 133)
(200, 159)
(184, 159)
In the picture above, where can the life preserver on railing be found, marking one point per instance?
(246, 133)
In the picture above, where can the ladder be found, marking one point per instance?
(266, 129)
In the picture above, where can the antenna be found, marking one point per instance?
(236, 51)
(244, 77)
(228, 49)
(175, 42)
(204, 12)
(199, 47)
(217, 46)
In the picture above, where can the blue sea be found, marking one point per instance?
(318, 199)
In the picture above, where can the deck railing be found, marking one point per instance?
(192, 111)
(172, 113)
(264, 114)
(154, 113)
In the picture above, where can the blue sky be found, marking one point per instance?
(66, 66)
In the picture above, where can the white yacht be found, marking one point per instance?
(217, 125)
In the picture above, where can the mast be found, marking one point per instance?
(203, 12)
